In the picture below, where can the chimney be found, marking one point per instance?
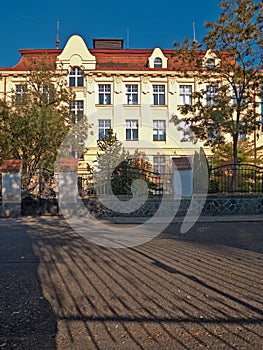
(108, 44)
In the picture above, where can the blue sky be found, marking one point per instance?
(31, 24)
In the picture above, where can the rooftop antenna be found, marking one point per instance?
(128, 38)
(194, 40)
(57, 36)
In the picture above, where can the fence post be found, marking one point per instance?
(11, 188)
(67, 182)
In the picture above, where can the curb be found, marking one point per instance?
(179, 219)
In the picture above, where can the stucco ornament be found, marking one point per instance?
(145, 85)
(117, 84)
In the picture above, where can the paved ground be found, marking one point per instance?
(200, 290)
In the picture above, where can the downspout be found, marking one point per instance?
(4, 88)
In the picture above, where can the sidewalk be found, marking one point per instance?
(202, 290)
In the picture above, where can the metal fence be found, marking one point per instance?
(236, 178)
(229, 178)
(119, 182)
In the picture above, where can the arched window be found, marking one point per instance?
(158, 63)
(76, 77)
(210, 63)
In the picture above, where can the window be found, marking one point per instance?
(242, 131)
(76, 77)
(47, 94)
(159, 130)
(185, 131)
(211, 95)
(104, 127)
(237, 97)
(158, 63)
(210, 63)
(132, 130)
(104, 94)
(132, 94)
(185, 95)
(211, 132)
(21, 93)
(77, 110)
(159, 164)
(158, 94)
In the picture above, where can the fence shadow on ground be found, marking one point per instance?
(26, 317)
(166, 294)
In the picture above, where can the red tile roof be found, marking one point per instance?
(126, 59)
(11, 166)
(67, 165)
(29, 55)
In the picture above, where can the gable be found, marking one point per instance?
(76, 54)
(157, 54)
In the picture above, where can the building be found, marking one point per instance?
(135, 92)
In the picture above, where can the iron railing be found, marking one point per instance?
(229, 178)
(236, 178)
(119, 182)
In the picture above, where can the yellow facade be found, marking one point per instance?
(156, 134)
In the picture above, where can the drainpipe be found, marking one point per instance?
(5, 89)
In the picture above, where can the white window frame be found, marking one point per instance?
(210, 63)
(132, 94)
(159, 130)
(104, 94)
(236, 97)
(211, 95)
(77, 110)
(242, 136)
(21, 92)
(132, 132)
(158, 62)
(185, 94)
(104, 126)
(159, 164)
(158, 94)
(46, 92)
(76, 77)
(186, 134)
(211, 133)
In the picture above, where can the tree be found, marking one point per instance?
(116, 169)
(110, 155)
(223, 154)
(35, 121)
(230, 102)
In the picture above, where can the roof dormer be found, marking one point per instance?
(210, 60)
(76, 54)
(157, 59)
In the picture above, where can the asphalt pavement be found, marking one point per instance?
(198, 290)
